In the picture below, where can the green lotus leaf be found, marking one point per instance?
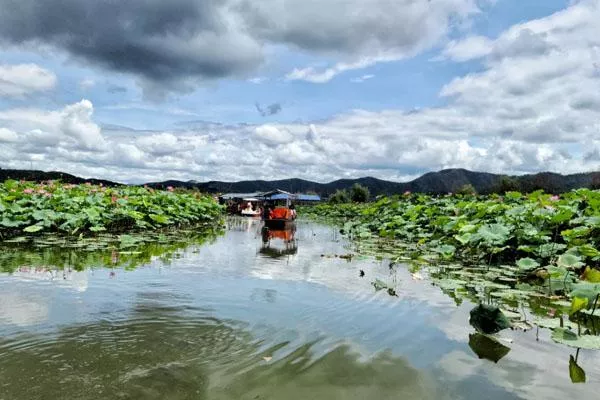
(33, 228)
(576, 373)
(527, 264)
(494, 234)
(578, 303)
(488, 319)
(571, 339)
(568, 260)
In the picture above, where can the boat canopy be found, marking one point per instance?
(270, 195)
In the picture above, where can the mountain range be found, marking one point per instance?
(444, 181)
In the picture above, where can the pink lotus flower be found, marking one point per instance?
(407, 193)
(28, 191)
(555, 198)
(170, 188)
(48, 194)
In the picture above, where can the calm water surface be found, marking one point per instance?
(232, 320)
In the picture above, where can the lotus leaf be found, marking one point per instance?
(570, 338)
(569, 261)
(576, 373)
(488, 319)
(527, 264)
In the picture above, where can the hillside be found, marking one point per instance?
(448, 180)
(38, 176)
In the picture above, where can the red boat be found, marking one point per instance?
(281, 218)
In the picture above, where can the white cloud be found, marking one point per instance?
(396, 30)
(272, 134)
(311, 74)
(6, 135)
(533, 106)
(468, 49)
(23, 79)
(257, 80)
(72, 127)
(361, 79)
(87, 83)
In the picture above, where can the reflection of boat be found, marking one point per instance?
(276, 253)
(278, 242)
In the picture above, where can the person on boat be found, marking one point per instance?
(293, 211)
(267, 211)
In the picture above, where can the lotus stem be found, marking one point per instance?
(595, 303)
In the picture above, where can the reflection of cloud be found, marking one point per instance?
(22, 310)
(77, 280)
(533, 369)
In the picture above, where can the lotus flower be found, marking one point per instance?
(555, 198)
(28, 191)
(170, 188)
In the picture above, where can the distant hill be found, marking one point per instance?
(38, 176)
(448, 180)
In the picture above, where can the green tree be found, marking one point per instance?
(340, 196)
(508, 184)
(467, 189)
(359, 193)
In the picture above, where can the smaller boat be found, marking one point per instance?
(251, 213)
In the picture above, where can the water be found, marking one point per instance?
(230, 320)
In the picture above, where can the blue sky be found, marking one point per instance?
(413, 86)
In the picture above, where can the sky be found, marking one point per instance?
(149, 90)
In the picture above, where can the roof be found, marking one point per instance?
(228, 196)
(272, 195)
(308, 197)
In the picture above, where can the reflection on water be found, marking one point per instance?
(226, 321)
(174, 352)
(278, 243)
(43, 256)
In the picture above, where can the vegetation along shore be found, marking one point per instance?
(87, 209)
(536, 248)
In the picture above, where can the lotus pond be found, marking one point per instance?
(223, 315)
(27, 207)
(516, 252)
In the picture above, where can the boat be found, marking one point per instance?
(248, 211)
(251, 213)
(281, 218)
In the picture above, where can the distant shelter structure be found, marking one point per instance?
(236, 202)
